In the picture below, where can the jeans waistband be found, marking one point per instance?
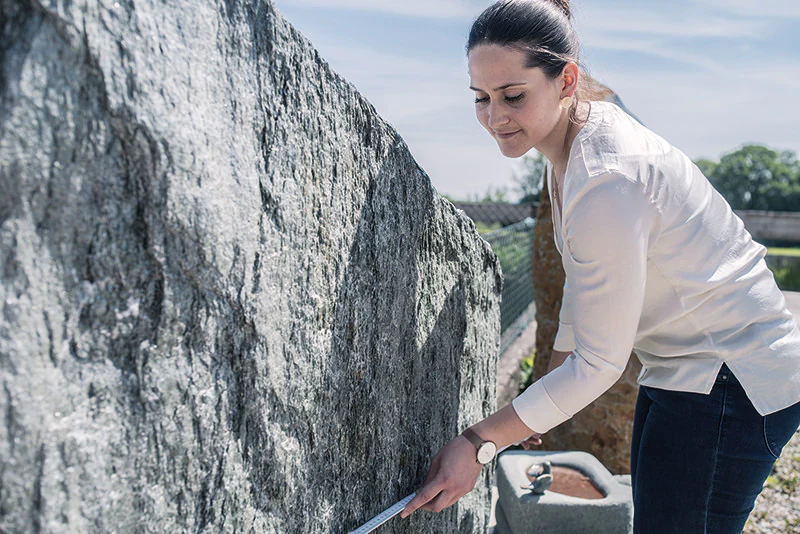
(725, 375)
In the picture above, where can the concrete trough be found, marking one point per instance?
(523, 512)
(502, 526)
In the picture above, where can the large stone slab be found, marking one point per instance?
(231, 300)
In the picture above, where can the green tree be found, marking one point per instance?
(530, 179)
(494, 194)
(706, 166)
(755, 177)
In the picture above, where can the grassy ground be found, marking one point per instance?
(782, 251)
(484, 228)
(787, 272)
(777, 509)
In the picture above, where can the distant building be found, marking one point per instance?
(497, 212)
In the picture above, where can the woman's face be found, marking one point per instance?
(518, 106)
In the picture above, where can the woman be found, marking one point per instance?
(655, 261)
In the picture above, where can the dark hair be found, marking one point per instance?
(543, 31)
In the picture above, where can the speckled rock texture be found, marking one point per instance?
(603, 428)
(231, 300)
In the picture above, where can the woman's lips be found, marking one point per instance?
(507, 135)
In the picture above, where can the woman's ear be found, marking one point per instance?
(569, 77)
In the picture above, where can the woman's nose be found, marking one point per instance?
(497, 115)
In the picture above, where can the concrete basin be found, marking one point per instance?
(521, 512)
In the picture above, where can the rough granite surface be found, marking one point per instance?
(231, 300)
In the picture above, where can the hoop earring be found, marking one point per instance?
(566, 102)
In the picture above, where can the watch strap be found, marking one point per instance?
(473, 437)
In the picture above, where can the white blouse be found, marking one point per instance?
(657, 262)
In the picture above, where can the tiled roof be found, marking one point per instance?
(496, 212)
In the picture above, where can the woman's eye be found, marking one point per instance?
(516, 98)
(482, 100)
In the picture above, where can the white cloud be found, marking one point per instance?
(438, 9)
(653, 46)
(665, 20)
(781, 9)
(706, 115)
(461, 171)
(401, 87)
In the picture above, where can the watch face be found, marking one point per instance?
(486, 452)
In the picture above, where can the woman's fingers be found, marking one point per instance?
(442, 501)
(423, 497)
(426, 493)
(453, 473)
(534, 440)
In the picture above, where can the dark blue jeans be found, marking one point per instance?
(698, 462)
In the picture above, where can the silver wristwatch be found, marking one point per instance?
(486, 449)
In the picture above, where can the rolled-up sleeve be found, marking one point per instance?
(606, 234)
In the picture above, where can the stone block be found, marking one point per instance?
(502, 526)
(231, 299)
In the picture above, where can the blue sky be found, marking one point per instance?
(707, 75)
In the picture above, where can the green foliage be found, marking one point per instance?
(513, 246)
(496, 194)
(526, 371)
(783, 251)
(785, 269)
(787, 278)
(786, 484)
(493, 194)
(531, 178)
(485, 228)
(756, 178)
(706, 166)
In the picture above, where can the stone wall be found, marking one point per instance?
(231, 300)
(772, 225)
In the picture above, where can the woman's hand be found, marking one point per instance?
(453, 473)
(531, 442)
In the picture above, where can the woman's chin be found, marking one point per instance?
(512, 151)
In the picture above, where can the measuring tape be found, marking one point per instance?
(384, 516)
(395, 509)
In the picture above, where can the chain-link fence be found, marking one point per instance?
(514, 248)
